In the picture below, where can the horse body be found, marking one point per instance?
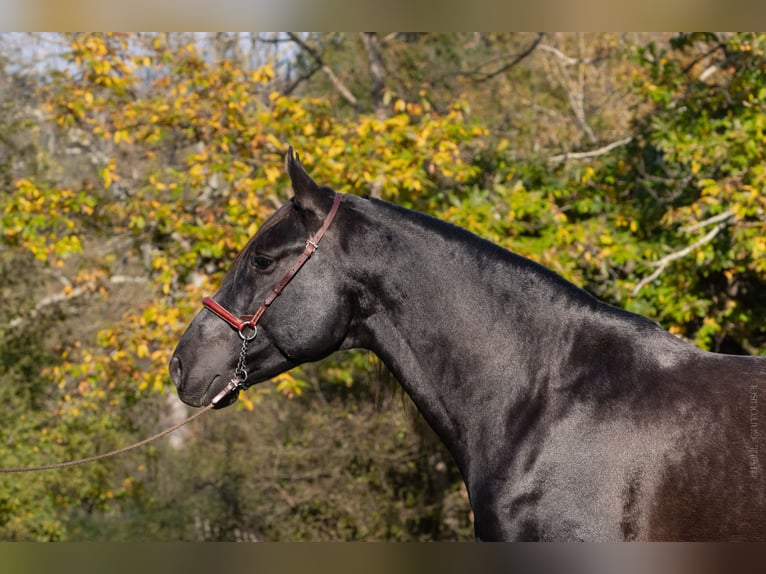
(568, 418)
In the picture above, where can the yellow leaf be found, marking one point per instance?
(274, 141)
(272, 173)
(263, 74)
(246, 402)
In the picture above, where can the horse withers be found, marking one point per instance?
(568, 418)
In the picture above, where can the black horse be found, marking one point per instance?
(568, 418)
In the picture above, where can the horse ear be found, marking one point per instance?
(308, 194)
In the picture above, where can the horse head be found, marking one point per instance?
(306, 322)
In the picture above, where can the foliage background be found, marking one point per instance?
(133, 167)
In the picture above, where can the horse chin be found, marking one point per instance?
(228, 400)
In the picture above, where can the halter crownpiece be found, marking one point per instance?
(251, 321)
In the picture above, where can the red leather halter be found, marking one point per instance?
(251, 321)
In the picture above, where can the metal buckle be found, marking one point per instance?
(232, 385)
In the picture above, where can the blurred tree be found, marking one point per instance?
(696, 174)
(133, 167)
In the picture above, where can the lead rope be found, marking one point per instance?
(236, 383)
(240, 372)
(111, 453)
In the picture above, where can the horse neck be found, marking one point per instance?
(454, 318)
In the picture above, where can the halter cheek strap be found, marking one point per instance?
(251, 321)
(240, 323)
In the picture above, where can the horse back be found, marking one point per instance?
(713, 486)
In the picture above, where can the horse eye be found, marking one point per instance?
(262, 262)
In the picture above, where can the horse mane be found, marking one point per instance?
(490, 251)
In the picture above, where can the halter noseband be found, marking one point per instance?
(251, 321)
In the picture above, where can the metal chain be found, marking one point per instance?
(240, 373)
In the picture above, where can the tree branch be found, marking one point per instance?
(336, 82)
(308, 75)
(74, 292)
(718, 46)
(516, 60)
(478, 76)
(377, 71)
(709, 221)
(567, 60)
(592, 153)
(663, 263)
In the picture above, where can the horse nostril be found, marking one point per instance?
(175, 371)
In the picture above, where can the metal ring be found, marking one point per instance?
(248, 338)
(240, 376)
